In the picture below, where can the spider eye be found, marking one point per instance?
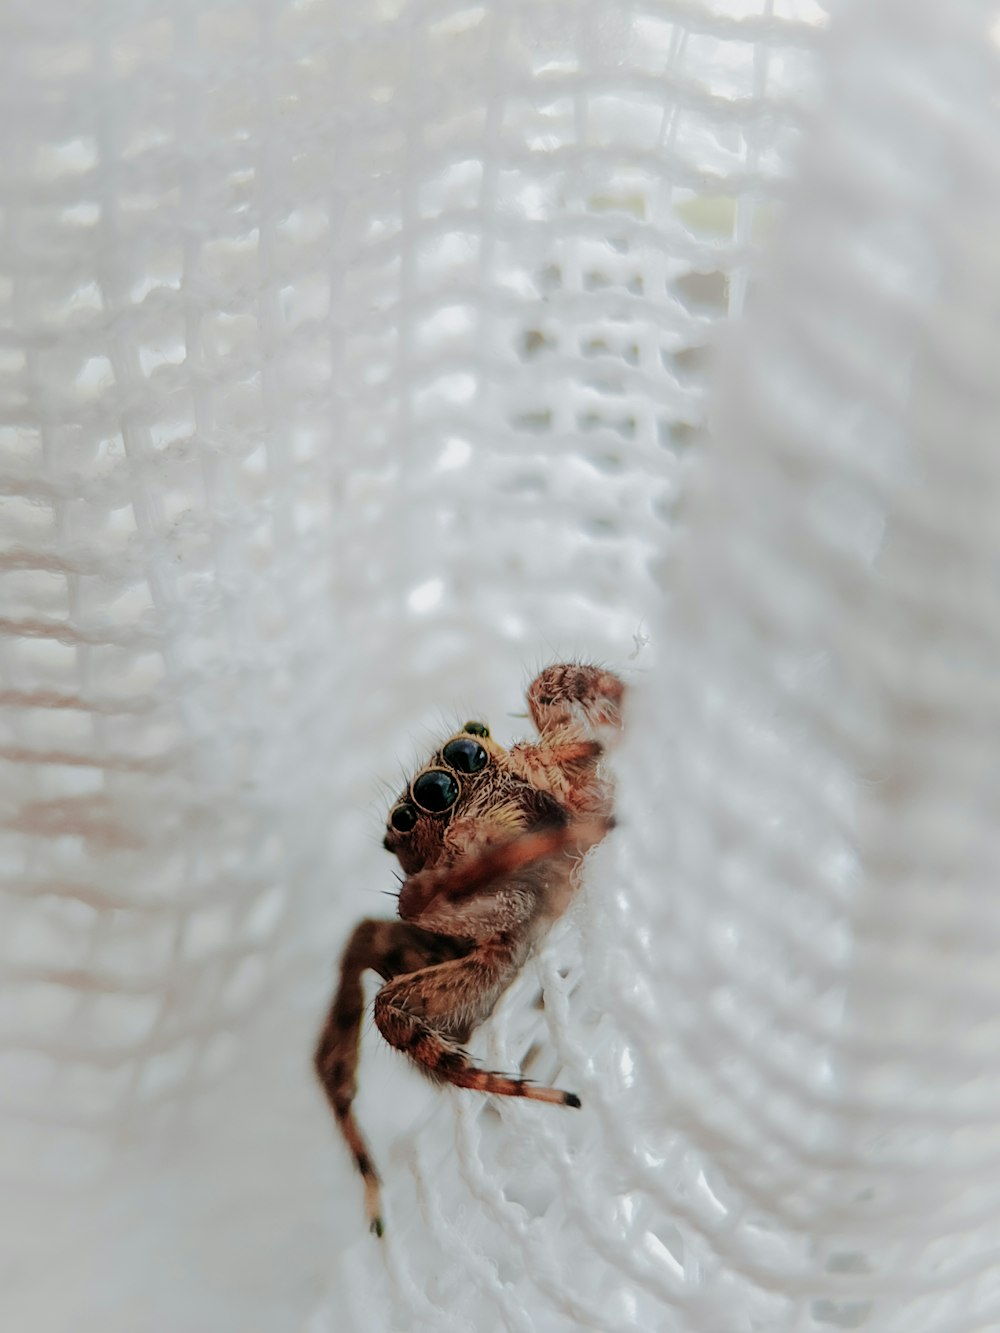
(435, 791)
(464, 756)
(476, 728)
(403, 818)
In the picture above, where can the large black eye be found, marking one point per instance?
(476, 728)
(435, 791)
(464, 756)
(403, 818)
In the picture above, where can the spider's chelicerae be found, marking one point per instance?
(490, 841)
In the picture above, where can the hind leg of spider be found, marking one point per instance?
(392, 949)
(428, 1015)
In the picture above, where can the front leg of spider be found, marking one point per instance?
(490, 841)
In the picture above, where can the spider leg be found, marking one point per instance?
(428, 1014)
(392, 949)
(431, 890)
(572, 694)
(574, 752)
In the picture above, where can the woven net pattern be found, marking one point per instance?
(356, 360)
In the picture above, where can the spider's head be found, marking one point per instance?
(449, 784)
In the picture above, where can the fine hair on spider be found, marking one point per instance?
(490, 841)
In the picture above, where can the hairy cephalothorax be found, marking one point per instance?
(490, 840)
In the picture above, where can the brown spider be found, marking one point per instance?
(490, 840)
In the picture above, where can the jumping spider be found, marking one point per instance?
(490, 840)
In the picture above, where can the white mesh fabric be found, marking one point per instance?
(166, 669)
(823, 1010)
(354, 357)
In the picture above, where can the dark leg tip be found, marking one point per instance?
(376, 1228)
(571, 1099)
